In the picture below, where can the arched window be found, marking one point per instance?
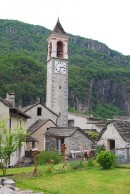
(50, 49)
(59, 49)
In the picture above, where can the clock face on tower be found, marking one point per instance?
(60, 67)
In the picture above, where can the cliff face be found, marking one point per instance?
(103, 91)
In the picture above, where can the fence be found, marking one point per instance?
(123, 155)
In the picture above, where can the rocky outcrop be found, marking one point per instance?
(103, 91)
(8, 186)
(99, 47)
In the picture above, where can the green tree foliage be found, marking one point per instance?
(10, 141)
(107, 111)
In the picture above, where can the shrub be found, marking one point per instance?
(106, 159)
(93, 135)
(47, 156)
(76, 165)
(50, 169)
(90, 163)
(99, 148)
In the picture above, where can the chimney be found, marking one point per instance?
(38, 99)
(10, 97)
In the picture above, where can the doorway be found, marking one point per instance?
(111, 144)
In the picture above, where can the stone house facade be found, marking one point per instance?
(38, 111)
(73, 137)
(116, 138)
(37, 132)
(116, 134)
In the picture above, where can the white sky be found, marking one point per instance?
(107, 21)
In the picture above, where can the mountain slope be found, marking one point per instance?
(97, 74)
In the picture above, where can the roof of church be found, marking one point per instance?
(58, 28)
(123, 128)
(64, 131)
(39, 123)
(25, 109)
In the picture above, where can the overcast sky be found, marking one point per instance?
(107, 21)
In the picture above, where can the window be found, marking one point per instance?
(71, 123)
(39, 111)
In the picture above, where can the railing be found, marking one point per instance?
(123, 155)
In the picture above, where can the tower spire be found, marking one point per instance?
(58, 28)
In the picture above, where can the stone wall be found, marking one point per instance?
(76, 141)
(51, 143)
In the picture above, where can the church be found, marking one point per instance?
(49, 124)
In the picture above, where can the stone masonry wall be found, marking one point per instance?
(57, 88)
(76, 141)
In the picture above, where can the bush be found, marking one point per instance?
(90, 163)
(99, 148)
(106, 159)
(46, 156)
(76, 165)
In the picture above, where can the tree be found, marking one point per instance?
(10, 141)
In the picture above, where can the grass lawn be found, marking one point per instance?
(88, 181)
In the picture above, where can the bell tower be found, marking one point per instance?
(57, 74)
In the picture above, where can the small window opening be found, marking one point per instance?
(33, 144)
(62, 141)
(59, 49)
(39, 111)
(50, 49)
(71, 123)
(59, 87)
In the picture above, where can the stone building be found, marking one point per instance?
(73, 137)
(115, 134)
